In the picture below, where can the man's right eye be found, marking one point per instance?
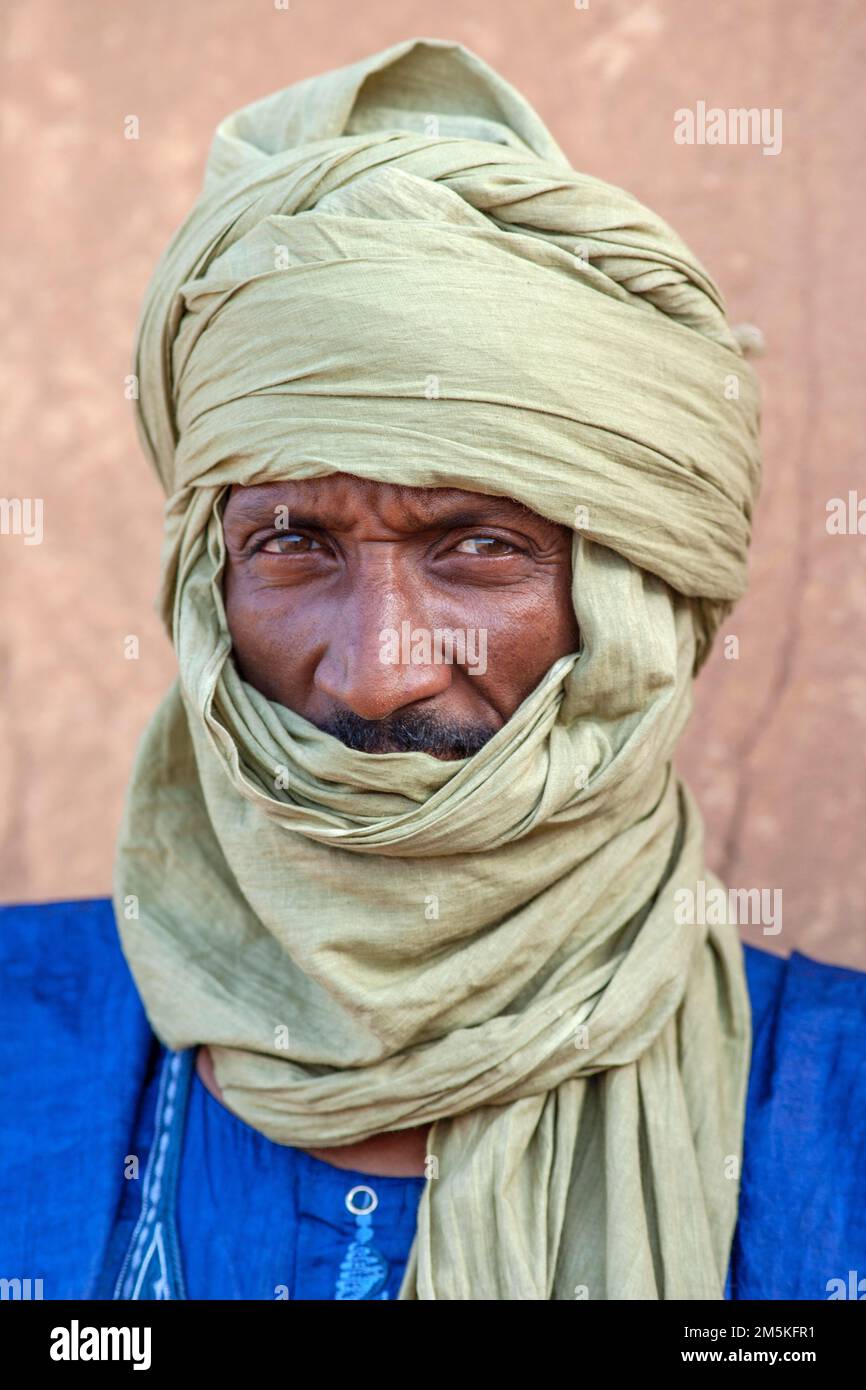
(288, 543)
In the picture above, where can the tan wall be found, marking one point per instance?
(777, 745)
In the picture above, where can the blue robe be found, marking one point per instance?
(122, 1177)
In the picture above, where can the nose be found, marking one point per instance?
(368, 665)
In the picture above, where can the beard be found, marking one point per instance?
(408, 733)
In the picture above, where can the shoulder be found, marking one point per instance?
(802, 1223)
(808, 1026)
(65, 990)
(75, 1052)
(812, 981)
(62, 969)
(63, 940)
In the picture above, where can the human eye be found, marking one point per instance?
(289, 543)
(486, 545)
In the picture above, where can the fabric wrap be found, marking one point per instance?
(392, 271)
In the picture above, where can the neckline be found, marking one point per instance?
(316, 1166)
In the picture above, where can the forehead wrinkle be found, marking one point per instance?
(424, 505)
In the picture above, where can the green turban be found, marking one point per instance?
(392, 271)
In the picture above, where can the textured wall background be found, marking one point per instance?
(777, 745)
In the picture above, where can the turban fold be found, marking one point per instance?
(393, 271)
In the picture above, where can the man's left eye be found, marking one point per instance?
(486, 545)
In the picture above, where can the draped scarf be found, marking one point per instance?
(393, 271)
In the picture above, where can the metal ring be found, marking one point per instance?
(362, 1211)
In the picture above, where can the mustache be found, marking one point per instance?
(407, 733)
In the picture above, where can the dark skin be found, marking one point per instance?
(308, 591)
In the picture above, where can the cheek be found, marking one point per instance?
(240, 610)
(276, 634)
(563, 619)
(257, 632)
(533, 624)
(525, 635)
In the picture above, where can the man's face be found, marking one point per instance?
(335, 589)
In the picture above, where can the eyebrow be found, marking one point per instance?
(429, 511)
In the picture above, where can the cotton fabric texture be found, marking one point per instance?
(393, 271)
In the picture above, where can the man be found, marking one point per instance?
(461, 456)
(308, 607)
